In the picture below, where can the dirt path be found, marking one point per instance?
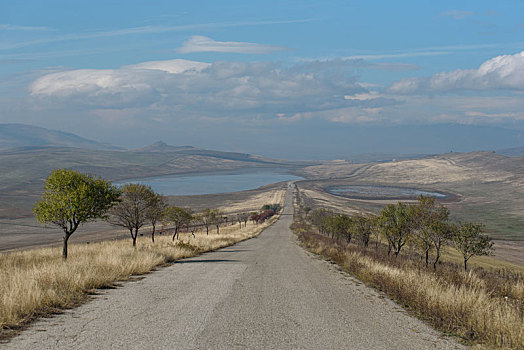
(264, 293)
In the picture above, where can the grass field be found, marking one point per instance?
(484, 306)
(37, 282)
(27, 232)
(508, 253)
(486, 188)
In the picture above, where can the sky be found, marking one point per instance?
(286, 79)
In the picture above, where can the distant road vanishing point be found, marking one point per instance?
(264, 293)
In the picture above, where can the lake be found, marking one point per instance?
(382, 192)
(233, 181)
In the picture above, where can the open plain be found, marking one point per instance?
(482, 187)
(264, 293)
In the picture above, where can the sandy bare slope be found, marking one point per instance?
(265, 293)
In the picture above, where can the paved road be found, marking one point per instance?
(264, 293)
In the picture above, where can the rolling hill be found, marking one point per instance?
(23, 170)
(512, 152)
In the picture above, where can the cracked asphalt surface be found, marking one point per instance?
(264, 293)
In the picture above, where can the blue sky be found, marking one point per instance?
(265, 76)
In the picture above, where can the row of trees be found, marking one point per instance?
(72, 198)
(425, 226)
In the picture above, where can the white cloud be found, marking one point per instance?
(175, 66)
(501, 72)
(199, 43)
(217, 89)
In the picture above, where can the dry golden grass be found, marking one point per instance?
(486, 309)
(486, 262)
(37, 282)
(255, 202)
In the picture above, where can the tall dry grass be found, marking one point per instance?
(484, 307)
(38, 282)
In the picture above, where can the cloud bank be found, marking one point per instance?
(212, 89)
(501, 72)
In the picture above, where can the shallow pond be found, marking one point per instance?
(382, 192)
(236, 180)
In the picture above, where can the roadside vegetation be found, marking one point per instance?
(39, 282)
(399, 252)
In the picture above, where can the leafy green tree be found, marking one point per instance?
(430, 226)
(470, 241)
(341, 226)
(155, 211)
(71, 198)
(362, 228)
(441, 234)
(275, 207)
(396, 223)
(374, 228)
(132, 211)
(319, 218)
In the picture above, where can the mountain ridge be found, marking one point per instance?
(16, 135)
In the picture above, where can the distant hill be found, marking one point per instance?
(187, 151)
(512, 152)
(23, 169)
(161, 146)
(22, 135)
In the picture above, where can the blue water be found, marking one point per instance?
(363, 191)
(176, 185)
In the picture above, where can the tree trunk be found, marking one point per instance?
(465, 264)
(153, 234)
(218, 229)
(134, 237)
(436, 261)
(207, 230)
(427, 256)
(64, 248)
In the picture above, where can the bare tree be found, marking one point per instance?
(218, 219)
(245, 218)
(193, 223)
(156, 212)
(131, 212)
(178, 216)
(208, 218)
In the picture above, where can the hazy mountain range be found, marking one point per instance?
(22, 135)
(347, 142)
